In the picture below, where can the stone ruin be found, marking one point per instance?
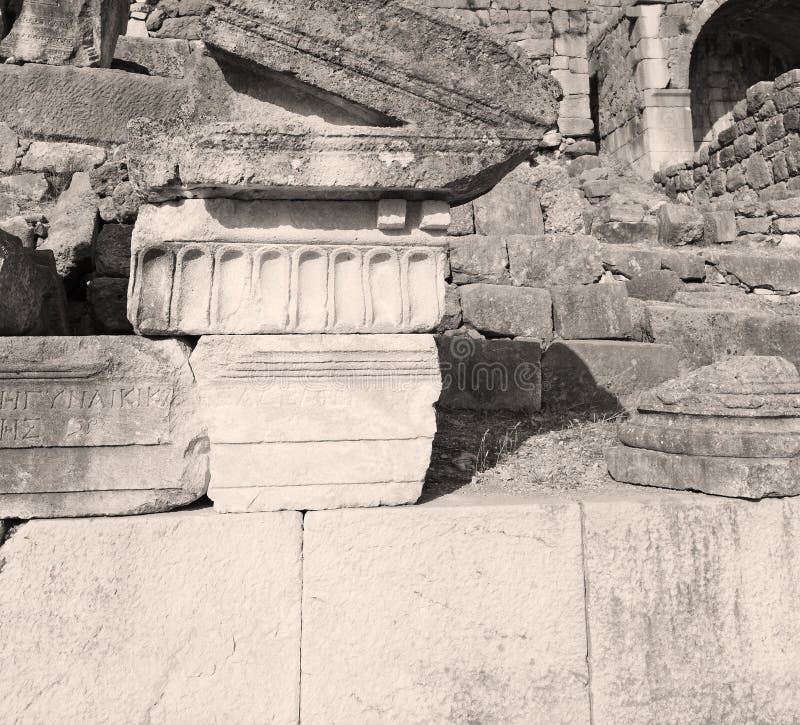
(279, 248)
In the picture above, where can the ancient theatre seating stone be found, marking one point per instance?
(317, 421)
(98, 426)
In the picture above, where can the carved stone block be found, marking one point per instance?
(66, 32)
(317, 421)
(98, 426)
(219, 266)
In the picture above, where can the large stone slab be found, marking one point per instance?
(366, 97)
(446, 614)
(67, 32)
(179, 618)
(317, 421)
(692, 610)
(490, 374)
(604, 375)
(221, 266)
(98, 426)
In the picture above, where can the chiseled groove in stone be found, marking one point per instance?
(250, 314)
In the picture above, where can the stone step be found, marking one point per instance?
(703, 335)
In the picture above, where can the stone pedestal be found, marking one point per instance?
(728, 429)
(317, 421)
(97, 426)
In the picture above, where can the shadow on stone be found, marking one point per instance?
(474, 433)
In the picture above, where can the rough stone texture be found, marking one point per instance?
(438, 648)
(112, 250)
(776, 272)
(554, 259)
(221, 266)
(595, 311)
(490, 374)
(476, 258)
(73, 225)
(512, 207)
(39, 101)
(705, 335)
(508, 311)
(26, 187)
(107, 298)
(98, 426)
(691, 606)
(63, 158)
(644, 232)
(660, 285)
(720, 227)
(317, 421)
(679, 224)
(729, 429)
(604, 375)
(24, 289)
(179, 618)
(385, 96)
(69, 32)
(166, 58)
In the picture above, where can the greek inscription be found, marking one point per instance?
(20, 429)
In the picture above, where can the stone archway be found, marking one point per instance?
(729, 47)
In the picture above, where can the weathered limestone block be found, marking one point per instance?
(62, 157)
(73, 225)
(661, 285)
(98, 426)
(679, 224)
(490, 374)
(477, 258)
(26, 289)
(365, 95)
(112, 250)
(317, 421)
(594, 311)
(512, 207)
(186, 617)
(554, 259)
(692, 610)
(508, 311)
(729, 429)
(407, 637)
(106, 298)
(604, 375)
(220, 266)
(67, 32)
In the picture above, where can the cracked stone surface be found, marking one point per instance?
(692, 607)
(444, 614)
(177, 618)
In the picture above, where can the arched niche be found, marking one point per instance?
(728, 46)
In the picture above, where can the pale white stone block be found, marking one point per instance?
(430, 614)
(392, 214)
(220, 266)
(652, 73)
(692, 606)
(317, 421)
(435, 216)
(188, 617)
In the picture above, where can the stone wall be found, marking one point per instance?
(627, 608)
(753, 165)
